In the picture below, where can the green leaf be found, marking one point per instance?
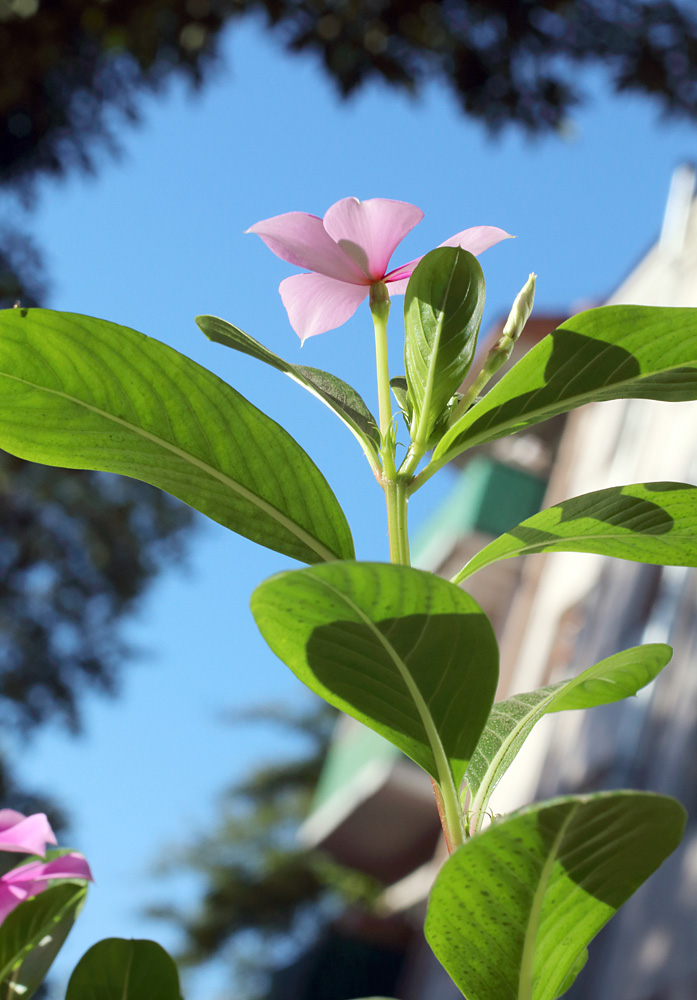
(336, 394)
(400, 391)
(513, 909)
(644, 522)
(117, 969)
(83, 393)
(615, 352)
(32, 935)
(443, 309)
(573, 972)
(511, 721)
(404, 652)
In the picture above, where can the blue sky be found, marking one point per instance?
(156, 238)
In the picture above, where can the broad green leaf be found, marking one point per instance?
(573, 972)
(32, 935)
(332, 391)
(644, 522)
(83, 393)
(614, 352)
(404, 652)
(443, 309)
(512, 911)
(117, 969)
(511, 721)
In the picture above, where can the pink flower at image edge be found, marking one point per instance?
(347, 252)
(30, 835)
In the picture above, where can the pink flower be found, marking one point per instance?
(35, 876)
(348, 251)
(30, 835)
(24, 834)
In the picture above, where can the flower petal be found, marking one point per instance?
(301, 239)
(315, 303)
(369, 231)
(10, 897)
(28, 834)
(476, 240)
(71, 865)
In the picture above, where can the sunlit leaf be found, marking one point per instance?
(443, 308)
(511, 721)
(332, 391)
(644, 522)
(83, 393)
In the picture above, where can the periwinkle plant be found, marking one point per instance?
(408, 654)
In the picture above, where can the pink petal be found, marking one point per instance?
(10, 897)
(369, 231)
(476, 240)
(398, 287)
(315, 303)
(28, 834)
(301, 239)
(67, 866)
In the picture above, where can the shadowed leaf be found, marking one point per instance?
(512, 911)
(403, 651)
(614, 352)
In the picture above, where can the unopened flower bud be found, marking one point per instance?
(520, 311)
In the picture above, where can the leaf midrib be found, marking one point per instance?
(525, 981)
(481, 798)
(263, 505)
(437, 748)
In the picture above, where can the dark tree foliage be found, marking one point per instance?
(70, 70)
(76, 551)
(65, 65)
(256, 876)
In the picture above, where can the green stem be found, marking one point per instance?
(396, 496)
(380, 309)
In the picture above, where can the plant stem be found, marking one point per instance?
(380, 309)
(396, 496)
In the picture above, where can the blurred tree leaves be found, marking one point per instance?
(71, 71)
(65, 64)
(263, 892)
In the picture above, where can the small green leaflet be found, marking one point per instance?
(513, 909)
(511, 721)
(443, 307)
(401, 650)
(119, 969)
(83, 393)
(643, 522)
(332, 391)
(614, 352)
